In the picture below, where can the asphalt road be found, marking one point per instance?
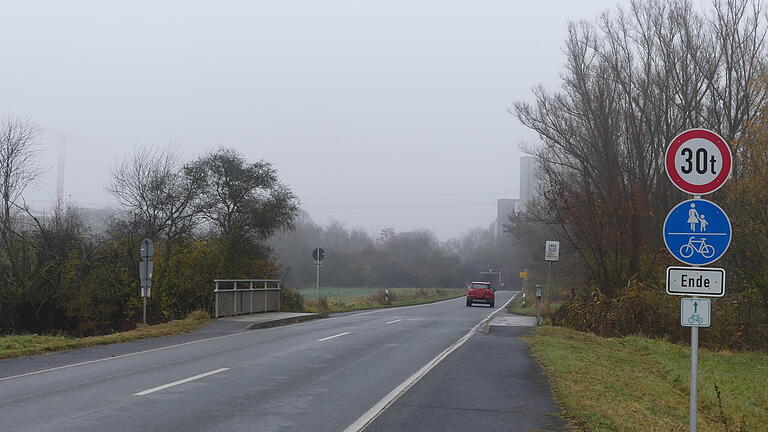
(321, 375)
(488, 384)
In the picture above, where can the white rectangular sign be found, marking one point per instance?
(698, 281)
(695, 312)
(552, 251)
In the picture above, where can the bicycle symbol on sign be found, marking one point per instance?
(695, 319)
(700, 246)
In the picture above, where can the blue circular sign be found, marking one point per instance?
(697, 232)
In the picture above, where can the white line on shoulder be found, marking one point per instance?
(332, 337)
(117, 357)
(182, 381)
(369, 416)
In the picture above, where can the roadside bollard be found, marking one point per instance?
(538, 304)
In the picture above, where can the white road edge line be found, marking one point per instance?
(175, 383)
(118, 356)
(394, 321)
(370, 415)
(331, 337)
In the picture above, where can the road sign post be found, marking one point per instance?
(551, 254)
(697, 281)
(146, 251)
(318, 254)
(695, 313)
(698, 161)
(524, 277)
(538, 304)
(697, 232)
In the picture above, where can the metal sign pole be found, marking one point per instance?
(317, 282)
(145, 273)
(538, 304)
(549, 291)
(694, 374)
(144, 296)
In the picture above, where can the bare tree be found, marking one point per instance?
(634, 80)
(158, 191)
(18, 170)
(18, 165)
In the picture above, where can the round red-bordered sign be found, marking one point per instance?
(698, 161)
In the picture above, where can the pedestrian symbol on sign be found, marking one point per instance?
(694, 218)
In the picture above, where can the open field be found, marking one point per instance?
(639, 384)
(356, 298)
(24, 345)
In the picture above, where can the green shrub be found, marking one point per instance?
(291, 300)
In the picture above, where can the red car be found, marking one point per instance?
(480, 292)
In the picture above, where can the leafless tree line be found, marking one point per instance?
(57, 274)
(633, 80)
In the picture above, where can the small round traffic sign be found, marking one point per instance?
(698, 161)
(318, 254)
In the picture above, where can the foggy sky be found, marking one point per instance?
(376, 113)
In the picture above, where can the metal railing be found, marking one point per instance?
(244, 296)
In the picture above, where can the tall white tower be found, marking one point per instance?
(528, 181)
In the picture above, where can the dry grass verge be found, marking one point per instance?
(634, 384)
(25, 345)
(375, 299)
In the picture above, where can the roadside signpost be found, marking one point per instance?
(538, 304)
(698, 161)
(697, 232)
(318, 254)
(146, 251)
(551, 254)
(695, 312)
(552, 251)
(697, 281)
(524, 277)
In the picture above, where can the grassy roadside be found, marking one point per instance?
(638, 384)
(516, 307)
(25, 345)
(352, 299)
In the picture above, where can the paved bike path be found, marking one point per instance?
(491, 383)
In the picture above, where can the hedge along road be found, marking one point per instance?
(323, 375)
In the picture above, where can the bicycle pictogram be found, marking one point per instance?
(700, 246)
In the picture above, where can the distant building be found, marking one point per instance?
(504, 208)
(528, 181)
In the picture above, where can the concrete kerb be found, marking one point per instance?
(485, 325)
(283, 321)
(271, 319)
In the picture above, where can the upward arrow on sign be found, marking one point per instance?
(695, 307)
